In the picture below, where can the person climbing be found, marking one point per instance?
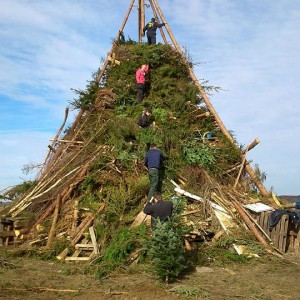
(154, 162)
(146, 120)
(151, 31)
(158, 209)
(140, 77)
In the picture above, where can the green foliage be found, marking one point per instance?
(224, 253)
(262, 176)
(161, 115)
(18, 190)
(234, 257)
(122, 199)
(89, 197)
(186, 291)
(122, 244)
(166, 246)
(146, 136)
(166, 251)
(57, 246)
(221, 257)
(85, 98)
(201, 154)
(117, 176)
(169, 87)
(117, 252)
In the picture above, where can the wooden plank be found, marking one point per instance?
(78, 251)
(279, 234)
(92, 255)
(82, 246)
(266, 216)
(5, 234)
(94, 240)
(283, 233)
(186, 213)
(297, 243)
(71, 258)
(140, 218)
(276, 230)
(63, 254)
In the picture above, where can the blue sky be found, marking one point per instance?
(250, 48)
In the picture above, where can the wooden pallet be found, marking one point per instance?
(280, 233)
(85, 251)
(7, 233)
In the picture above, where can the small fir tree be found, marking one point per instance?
(166, 246)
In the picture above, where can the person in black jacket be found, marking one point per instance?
(157, 208)
(154, 162)
(146, 120)
(151, 31)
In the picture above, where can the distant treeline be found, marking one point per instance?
(290, 198)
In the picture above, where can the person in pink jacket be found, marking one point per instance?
(140, 77)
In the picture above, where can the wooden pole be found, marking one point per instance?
(142, 19)
(139, 20)
(257, 182)
(252, 145)
(75, 217)
(85, 224)
(204, 115)
(241, 168)
(54, 221)
(64, 194)
(257, 224)
(236, 167)
(157, 19)
(115, 42)
(222, 127)
(51, 147)
(251, 226)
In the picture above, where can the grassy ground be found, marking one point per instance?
(265, 278)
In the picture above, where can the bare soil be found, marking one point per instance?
(264, 278)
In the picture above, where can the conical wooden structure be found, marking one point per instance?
(95, 170)
(157, 12)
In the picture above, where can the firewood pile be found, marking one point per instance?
(93, 173)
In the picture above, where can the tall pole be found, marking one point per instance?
(222, 127)
(115, 42)
(142, 19)
(139, 20)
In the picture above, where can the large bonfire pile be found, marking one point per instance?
(93, 182)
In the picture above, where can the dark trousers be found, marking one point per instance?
(151, 40)
(140, 88)
(154, 182)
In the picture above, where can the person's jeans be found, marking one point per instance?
(140, 87)
(154, 181)
(152, 40)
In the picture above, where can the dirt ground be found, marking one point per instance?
(263, 278)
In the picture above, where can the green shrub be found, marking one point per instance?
(117, 252)
(166, 250)
(200, 154)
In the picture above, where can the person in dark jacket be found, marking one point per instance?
(157, 208)
(151, 28)
(154, 162)
(146, 120)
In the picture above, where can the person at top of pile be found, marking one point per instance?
(140, 77)
(151, 28)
